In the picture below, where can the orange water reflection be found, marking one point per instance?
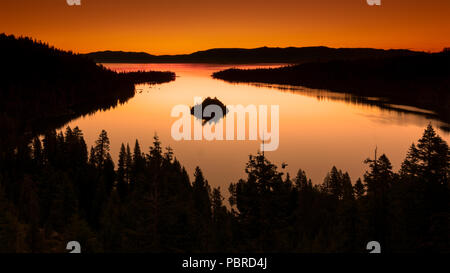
(317, 130)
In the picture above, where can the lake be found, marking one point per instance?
(317, 128)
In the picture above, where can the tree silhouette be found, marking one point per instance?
(101, 149)
(429, 159)
(51, 192)
(122, 172)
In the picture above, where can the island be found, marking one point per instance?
(198, 110)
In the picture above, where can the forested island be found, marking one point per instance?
(421, 81)
(197, 110)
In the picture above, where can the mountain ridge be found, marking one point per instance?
(252, 55)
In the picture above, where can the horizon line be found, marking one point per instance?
(215, 48)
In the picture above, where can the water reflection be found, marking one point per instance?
(318, 129)
(401, 112)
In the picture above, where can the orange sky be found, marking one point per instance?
(185, 26)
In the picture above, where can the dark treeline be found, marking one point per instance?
(422, 81)
(255, 55)
(147, 76)
(42, 87)
(52, 190)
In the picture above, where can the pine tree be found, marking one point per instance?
(138, 161)
(217, 205)
(122, 173)
(155, 156)
(301, 180)
(347, 188)
(77, 148)
(201, 193)
(92, 157)
(429, 160)
(102, 148)
(109, 174)
(333, 183)
(202, 206)
(221, 222)
(168, 155)
(137, 155)
(380, 177)
(379, 180)
(359, 189)
(128, 165)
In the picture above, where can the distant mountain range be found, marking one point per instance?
(256, 55)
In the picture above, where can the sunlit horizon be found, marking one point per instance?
(183, 27)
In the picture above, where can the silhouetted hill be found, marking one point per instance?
(257, 55)
(422, 81)
(43, 85)
(120, 56)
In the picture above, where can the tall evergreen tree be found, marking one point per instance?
(122, 173)
(128, 165)
(379, 180)
(429, 160)
(359, 189)
(102, 148)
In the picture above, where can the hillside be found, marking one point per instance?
(44, 87)
(257, 55)
(422, 81)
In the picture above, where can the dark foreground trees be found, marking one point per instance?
(52, 192)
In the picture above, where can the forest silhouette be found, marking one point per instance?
(43, 87)
(421, 80)
(53, 191)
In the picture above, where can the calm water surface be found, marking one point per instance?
(318, 129)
